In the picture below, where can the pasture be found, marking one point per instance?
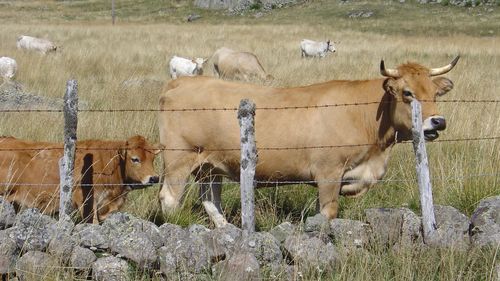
(101, 57)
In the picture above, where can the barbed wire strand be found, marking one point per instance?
(150, 149)
(263, 182)
(235, 108)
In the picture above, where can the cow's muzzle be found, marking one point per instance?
(432, 125)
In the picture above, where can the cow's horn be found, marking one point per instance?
(388, 72)
(444, 69)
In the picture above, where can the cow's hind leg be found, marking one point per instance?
(210, 186)
(177, 172)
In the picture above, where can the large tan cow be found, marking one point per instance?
(32, 176)
(232, 64)
(200, 142)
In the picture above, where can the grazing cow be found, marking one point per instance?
(309, 48)
(8, 68)
(30, 177)
(340, 149)
(185, 67)
(35, 44)
(231, 64)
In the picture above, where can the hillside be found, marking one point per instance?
(379, 16)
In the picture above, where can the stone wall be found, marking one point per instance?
(33, 244)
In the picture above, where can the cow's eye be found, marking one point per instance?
(135, 160)
(407, 94)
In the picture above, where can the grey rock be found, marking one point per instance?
(33, 231)
(241, 267)
(317, 223)
(7, 214)
(110, 269)
(485, 223)
(391, 227)
(119, 224)
(91, 235)
(239, 6)
(360, 14)
(14, 96)
(82, 258)
(197, 230)
(34, 264)
(452, 228)
(222, 241)
(183, 254)
(193, 17)
(263, 246)
(9, 253)
(311, 252)
(170, 232)
(350, 233)
(136, 247)
(280, 271)
(62, 246)
(282, 231)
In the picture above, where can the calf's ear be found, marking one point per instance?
(444, 85)
(122, 151)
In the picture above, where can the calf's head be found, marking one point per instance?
(410, 82)
(137, 159)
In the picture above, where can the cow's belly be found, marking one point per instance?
(358, 180)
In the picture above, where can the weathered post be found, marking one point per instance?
(67, 162)
(246, 114)
(424, 181)
(113, 11)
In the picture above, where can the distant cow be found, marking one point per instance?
(8, 68)
(180, 66)
(232, 64)
(342, 150)
(311, 48)
(30, 177)
(35, 44)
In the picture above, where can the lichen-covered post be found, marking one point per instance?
(67, 162)
(246, 114)
(423, 176)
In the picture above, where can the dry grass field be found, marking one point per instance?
(101, 57)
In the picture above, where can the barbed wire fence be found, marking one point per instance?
(68, 111)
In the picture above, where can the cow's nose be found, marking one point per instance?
(154, 179)
(439, 123)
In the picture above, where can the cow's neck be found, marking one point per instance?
(384, 133)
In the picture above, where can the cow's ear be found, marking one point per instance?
(390, 86)
(122, 151)
(444, 85)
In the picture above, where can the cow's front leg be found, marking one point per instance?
(329, 199)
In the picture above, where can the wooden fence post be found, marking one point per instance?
(424, 181)
(113, 12)
(246, 114)
(67, 162)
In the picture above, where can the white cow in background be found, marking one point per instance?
(8, 68)
(35, 44)
(180, 66)
(310, 48)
